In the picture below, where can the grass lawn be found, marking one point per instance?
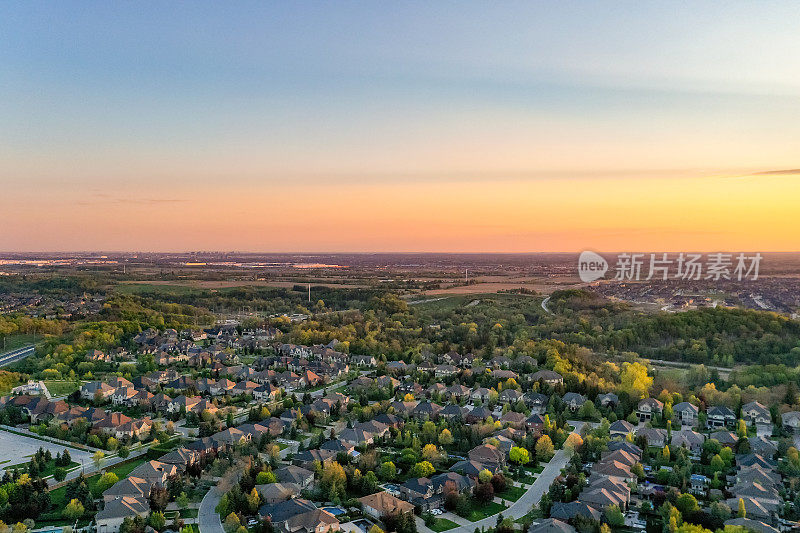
(443, 524)
(49, 469)
(189, 513)
(17, 341)
(512, 493)
(62, 388)
(481, 511)
(282, 445)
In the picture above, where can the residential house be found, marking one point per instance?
(608, 400)
(488, 454)
(691, 440)
(295, 475)
(686, 413)
(547, 376)
(791, 421)
(620, 429)
(573, 400)
(383, 504)
(720, 416)
(756, 413)
(110, 518)
(654, 436)
(648, 409)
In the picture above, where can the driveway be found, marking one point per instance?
(522, 506)
(207, 518)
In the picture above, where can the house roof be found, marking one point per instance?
(385, 503)
(551, 525)
(293, 474)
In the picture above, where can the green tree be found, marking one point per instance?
(73, 510)
(614, 516)
(445, 437)
(717, 464)
(262, 478)
(182, 500)
(544, 449)
(97, 458)
(388, 471)
(686, 503)
(634, 380)
(519, 455)
(106, 481)
(422, 469)
(741, 429)
(157, 520)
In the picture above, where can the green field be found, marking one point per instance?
(443, 524)
(450, 302)
(512, 493)
(62, 388)
(481, 511)
(160, 289)
(12, 342)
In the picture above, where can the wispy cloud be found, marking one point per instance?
(781, 172)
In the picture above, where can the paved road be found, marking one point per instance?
(207, 518)
(522, 506)
(544, 306)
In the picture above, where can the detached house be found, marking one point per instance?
(573, 400)
(791, 421)
(96, 389)
(720, 416)
(648, 408)
(547, 376)
(686, 413)
(488, 455)
(756, 413)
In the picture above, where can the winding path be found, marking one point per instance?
(521, 507)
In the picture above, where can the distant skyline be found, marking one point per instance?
(400, 127)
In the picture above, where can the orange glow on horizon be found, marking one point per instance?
(756, 213)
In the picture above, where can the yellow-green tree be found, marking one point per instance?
(544, 449)
(445, 437)
(634, 380)
(73, 510)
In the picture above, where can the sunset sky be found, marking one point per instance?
(400, 126)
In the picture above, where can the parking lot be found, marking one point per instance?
(18, 449)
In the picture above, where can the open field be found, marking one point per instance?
(455, 301)
(12, 342)
(187, 286)
(62, 388)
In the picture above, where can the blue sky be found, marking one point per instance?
(116, 98)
